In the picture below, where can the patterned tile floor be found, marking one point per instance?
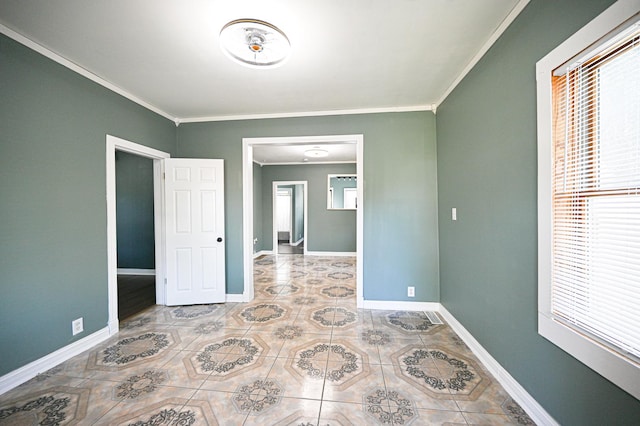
(299, 354)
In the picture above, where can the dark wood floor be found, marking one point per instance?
(135, 293)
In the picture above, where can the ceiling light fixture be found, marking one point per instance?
(316, 152)
(254, 43)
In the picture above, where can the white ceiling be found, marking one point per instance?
(348, 56)
(294, 154)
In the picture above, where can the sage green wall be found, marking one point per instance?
(134, 211)
(400, 212)
(53, 254)
(488, 257)
(327, 230)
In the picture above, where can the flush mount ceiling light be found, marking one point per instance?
(254, 43)
(316, 152)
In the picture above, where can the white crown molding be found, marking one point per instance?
(82, 71)
(485, 47)
(411, 108)
(408, 108)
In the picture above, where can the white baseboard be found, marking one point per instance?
(29, 371)
(235, 298)
(537, 413)
(133, 271)
(262, 253)
(386, 305)
(331, 253)
(297, 243)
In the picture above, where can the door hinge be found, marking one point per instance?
(164, 176)
(165, 281)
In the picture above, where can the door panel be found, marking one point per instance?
(194, 197)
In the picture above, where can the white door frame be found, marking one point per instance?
(276, 184)
(247, 201)
(116, 144)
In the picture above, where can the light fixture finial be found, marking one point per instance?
(254, 43)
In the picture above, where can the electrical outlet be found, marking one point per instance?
(77, 326)
(411, 291)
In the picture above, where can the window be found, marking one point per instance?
(589, 196)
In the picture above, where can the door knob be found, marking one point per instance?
(219, 239)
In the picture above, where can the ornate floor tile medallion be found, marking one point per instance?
(341, 264)
(170, 412)
(339, 291)
(305, 300)
(376, 337)
(516, 413)
(230, 356)
(282, 289)
(209, 327)
(314, 281)
(389, 407)
(140, 384)
(133, 350)
(262, 313)
(194, 311)
(341, 364)
(53, 406)
(411, 322)
(334, 317)
(257, 397)
(288, 332)
(297, 274)
(340, 275)
(440, 372)
(136, 323)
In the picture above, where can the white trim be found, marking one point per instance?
(297, 243)
(391, 305)
(537, 413)
(261, 253)
(247, 202)
(19, 376)
(306, 163)
(134, 271)
(236, 298)
(409, 108)
(621, 371)
(332, 253)
(114, 144)
(485, 47)
(82, 71)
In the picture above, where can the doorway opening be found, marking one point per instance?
(114, 144)
(135, 233)
(290, 217)
(248, 145)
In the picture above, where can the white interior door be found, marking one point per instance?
(350, 198)
(195, 245)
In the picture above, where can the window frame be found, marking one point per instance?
(616, 368)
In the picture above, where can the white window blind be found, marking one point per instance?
(595, 271)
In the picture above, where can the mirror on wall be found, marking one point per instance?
(342, 192)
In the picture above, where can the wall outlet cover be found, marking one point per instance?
(77, 326)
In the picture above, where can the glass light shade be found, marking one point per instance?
(254, 43)
(316, 153)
